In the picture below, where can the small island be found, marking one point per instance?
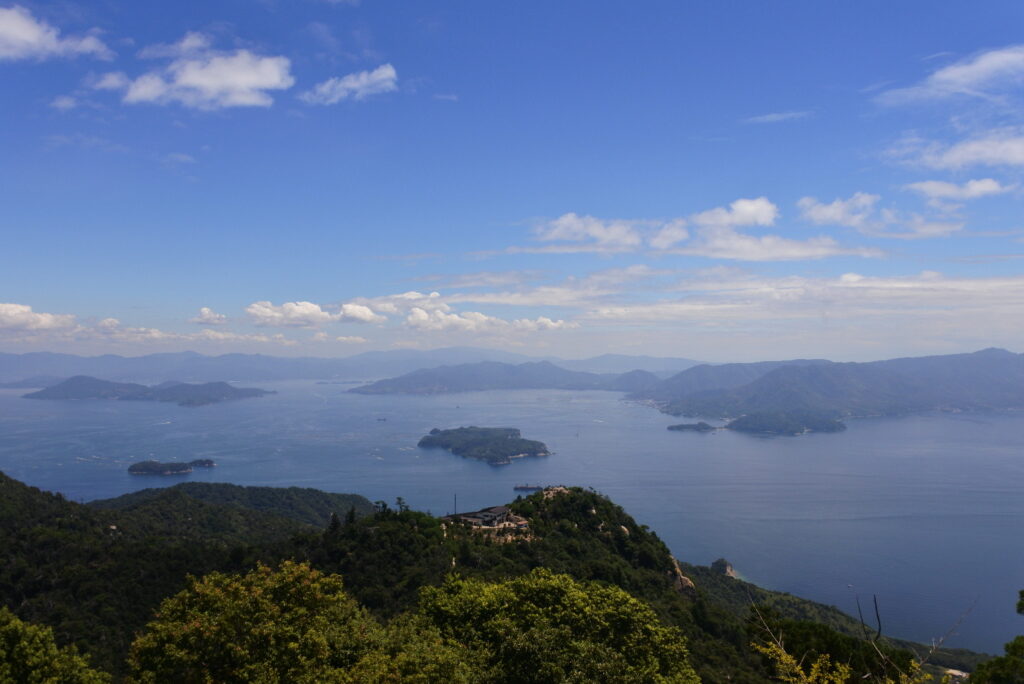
(497, 446)
(693, 427)
(786, 423)
(172, 468)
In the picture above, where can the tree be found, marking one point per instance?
(29, 654)
(544, 627)
(1007, 668)
(293, 624)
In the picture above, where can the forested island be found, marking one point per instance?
(171, 468)
(583, 588)
(497, 446)
(180, 393)
(786, 423)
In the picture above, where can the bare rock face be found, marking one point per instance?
(723, 567)
(680, 582)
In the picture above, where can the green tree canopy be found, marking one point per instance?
(544, 627)
(29, 655)
(293, 624)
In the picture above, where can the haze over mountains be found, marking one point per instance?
(193, 367)
(492, 375)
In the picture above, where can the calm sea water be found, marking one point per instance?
(926, 512)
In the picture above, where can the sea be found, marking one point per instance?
(926, 513)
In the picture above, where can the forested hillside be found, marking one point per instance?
(97, 573)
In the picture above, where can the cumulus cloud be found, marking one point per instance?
(980, 75)
(401, 303)
(208, 316)
(778, 117)
(22, 36)
(307, 314)
(357, 86)
(201, 77)
(358, 313)
(476, 322)
(854, 212)
(21, 317)
(351, 339)
(743, 212)
(288, 315)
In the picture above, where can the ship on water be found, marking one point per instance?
(528, 488)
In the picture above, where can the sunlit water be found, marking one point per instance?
(926, 512)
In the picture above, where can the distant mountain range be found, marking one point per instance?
(183, 394)
(492, 375)
(771, 397)
(985, 380)
(194, 367)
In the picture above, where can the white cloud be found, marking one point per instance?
(670, 234)
(722, 242)
(208, 316)
(351, 339)
(112, 80)
(200, 77)
(972, 189)
(778, 117)
(20, 317)
(22, 36)
(854, 212)
(582, 234)
(859, 211)
(358, 313)
(288, 315)
(993, 148)
(978, 76)
(476, 322)
(357, 86)
(743, 212)
(307, 314)
(399, 303)
(612, 235)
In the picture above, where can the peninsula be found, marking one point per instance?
(497, 446)
(693, 427)
(181, 393)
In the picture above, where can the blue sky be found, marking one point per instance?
(723, 181)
